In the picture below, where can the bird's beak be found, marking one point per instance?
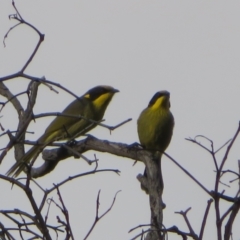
(115, 90)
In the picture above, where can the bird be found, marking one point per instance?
(155, 127)
(91, 106)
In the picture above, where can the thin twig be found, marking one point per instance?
(66, 215)
(139, 226)
(184, 214)
(70, 178)
(97, 217)
(205, 219)
(189, 174)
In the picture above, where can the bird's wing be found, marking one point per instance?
(62, 126)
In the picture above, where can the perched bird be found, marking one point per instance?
(155, 126)
(91, 106)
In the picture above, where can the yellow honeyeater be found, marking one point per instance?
(91, 105)
(155, 126)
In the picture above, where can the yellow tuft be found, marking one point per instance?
(159, 103)
(87, 96)
(101, 100)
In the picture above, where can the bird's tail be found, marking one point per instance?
(19, 166)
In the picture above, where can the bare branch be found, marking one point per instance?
(139, 226)
(212, 152)
(229, 148)
(205, 219)
(175, 229)
(184, 214)
(199, 144)
(141, 234)
(189, 174)
(19, 18)
(70, 178)
(97, 217)
(226, 143)
(5, 92)
(111, 128)
(40, 221)
(53, 156)
(228, 226)
(66, 215)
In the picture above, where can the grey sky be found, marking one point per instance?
(190, 48)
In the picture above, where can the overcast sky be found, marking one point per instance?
(190, 48)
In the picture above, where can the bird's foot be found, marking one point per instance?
(135, 145)
(72, 143)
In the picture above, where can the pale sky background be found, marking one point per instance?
(190, 48)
